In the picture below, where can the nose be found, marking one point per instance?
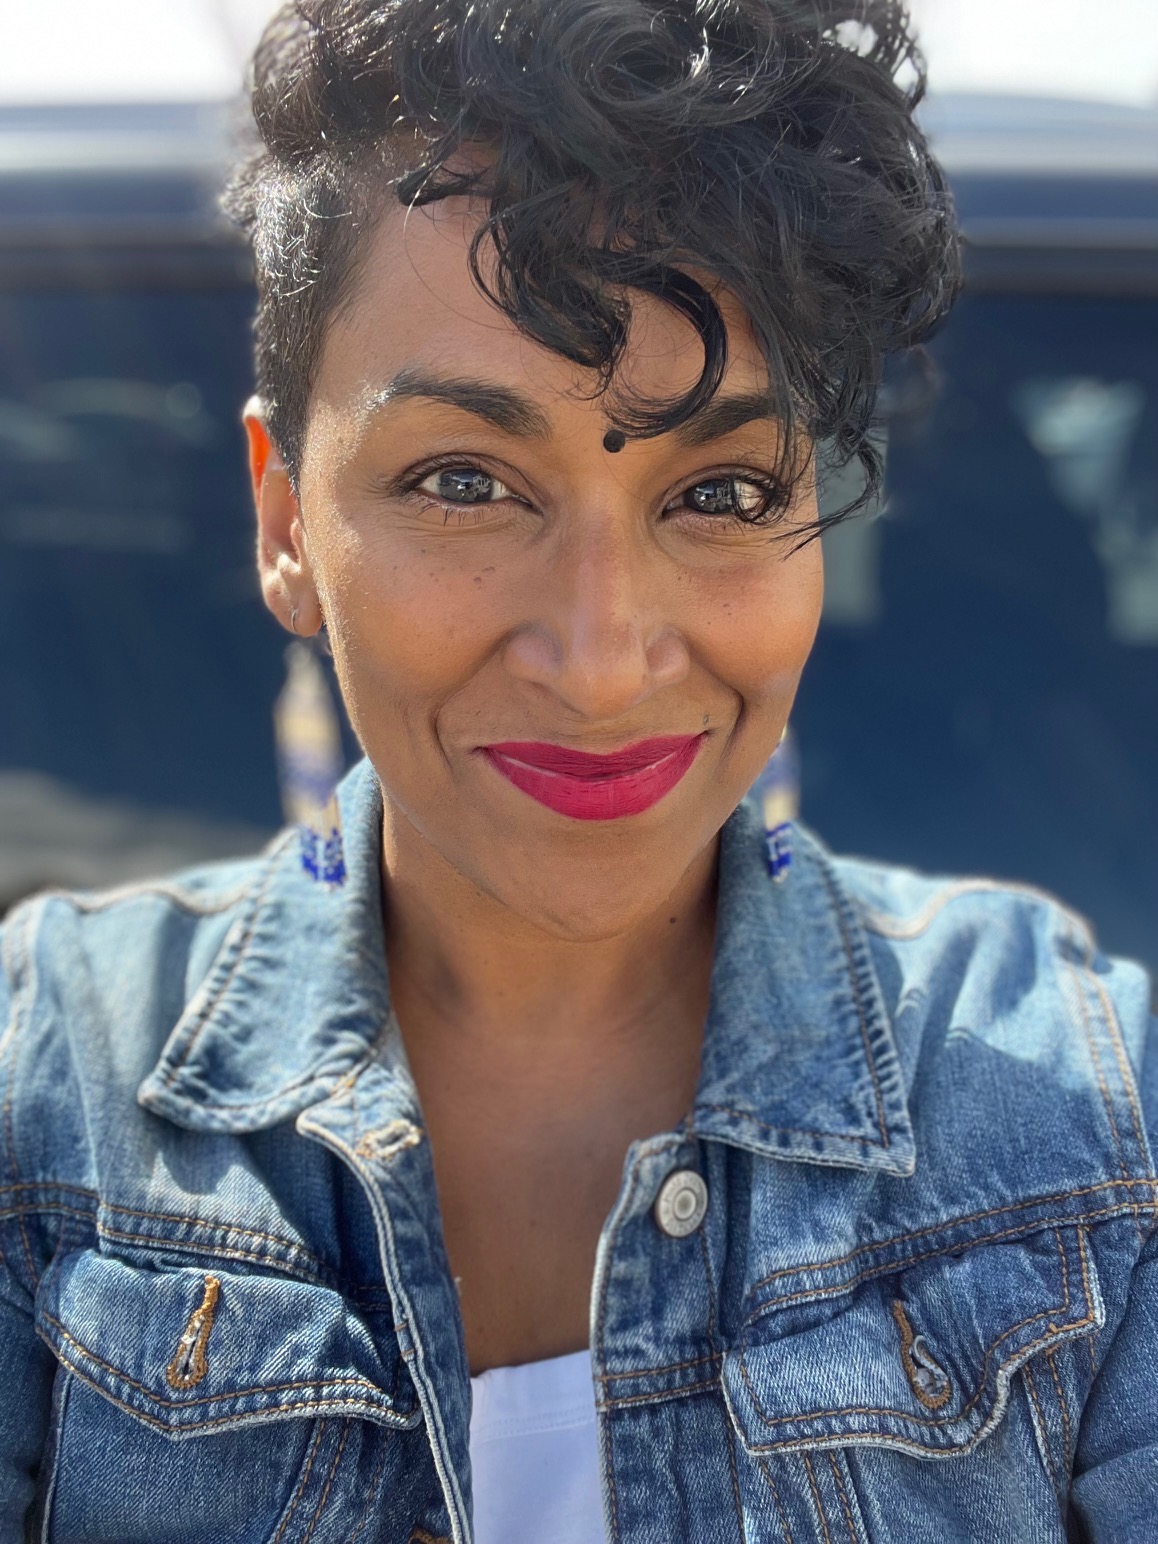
(599, 636)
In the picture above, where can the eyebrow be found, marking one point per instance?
(723, 415)
(517, 414)
(508, 410)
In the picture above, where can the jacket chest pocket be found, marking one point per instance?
(834, 1391)
(202, 1405)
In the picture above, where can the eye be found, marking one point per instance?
(739, 497)
(464, 485)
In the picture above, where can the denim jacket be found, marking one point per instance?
(922, 1303)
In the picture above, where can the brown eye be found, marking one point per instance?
(464, 485)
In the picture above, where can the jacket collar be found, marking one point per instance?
(799, 1059)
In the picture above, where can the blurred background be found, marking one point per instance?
(984, 692)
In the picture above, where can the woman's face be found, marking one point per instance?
(493, 576)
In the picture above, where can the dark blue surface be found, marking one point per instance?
(993, 717)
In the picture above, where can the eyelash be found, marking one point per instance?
(773, 504)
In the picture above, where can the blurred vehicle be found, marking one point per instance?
(984, 693)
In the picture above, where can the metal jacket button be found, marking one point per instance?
(681, 1204)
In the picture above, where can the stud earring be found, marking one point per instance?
(778, 791)
(309, 748)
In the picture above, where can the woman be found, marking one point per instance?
(523, 1162)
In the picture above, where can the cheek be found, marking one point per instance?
(756, 625)
(408, 628)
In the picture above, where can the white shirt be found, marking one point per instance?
(534, 1454)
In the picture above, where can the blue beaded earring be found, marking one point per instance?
(309, 749)
(778, 792)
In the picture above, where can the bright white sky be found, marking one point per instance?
(123, 50)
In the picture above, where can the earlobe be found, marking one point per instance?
(287, 582)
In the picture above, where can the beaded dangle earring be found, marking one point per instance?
(309, 751)
(778, 791)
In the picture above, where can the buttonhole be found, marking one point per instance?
(385, 1142)
(189, 1365)
(927, 1378)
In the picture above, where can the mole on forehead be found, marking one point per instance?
(614, 440)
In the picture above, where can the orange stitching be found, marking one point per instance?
(298, 1493)
(816, 1499)
(836, 898)
(780, 1512)
(956, 1222)
(1051, 1361)
(812, 1415)
(888, 1266)
(912, 927)
(609, 1470)
(382, 1143)
(210, 1399)
(288, 1270)
(912, 1370)
(863, 1438)
(189, 1364)
(843, 1497)
(614, 1402)
(117, 895)
(329, 1481)
(1048, 1456)
(31, 1209)
(1097, 1061)
(737, 1500)
(371, 1493)
(210, 1007)
(1124, 1068)
(318, 1405)
(208, 1222)
(420, 1536)
(792, 1131)
(49, 1184)
(645, 1372)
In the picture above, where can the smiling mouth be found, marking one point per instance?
(587, 786)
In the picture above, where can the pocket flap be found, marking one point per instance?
(187, 1350)
(919, 1359)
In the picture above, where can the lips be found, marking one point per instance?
(586, 786)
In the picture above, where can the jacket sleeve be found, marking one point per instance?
(1115, 1485)
(26, 1373)
(27, 1366)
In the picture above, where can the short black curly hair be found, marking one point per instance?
(766, 144)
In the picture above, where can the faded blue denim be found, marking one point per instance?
(923, 1304)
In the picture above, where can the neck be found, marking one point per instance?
(464, 967)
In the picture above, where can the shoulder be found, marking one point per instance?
(1001, 1000)
(91, 985)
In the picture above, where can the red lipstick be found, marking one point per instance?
(586, 786)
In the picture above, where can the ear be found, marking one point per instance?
(283, 564)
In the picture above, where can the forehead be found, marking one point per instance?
(415, 305)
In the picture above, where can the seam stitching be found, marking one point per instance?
(816, 1498)
(835, 1466)
(1031, 1388)
(329, 1482)
(243, 943)
(837, 901)
(301, 1485)
(1051, 1363)
(946, 1420)
(210, 1399)
(956, 1222)
(780, 1512)
(888, 1266)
